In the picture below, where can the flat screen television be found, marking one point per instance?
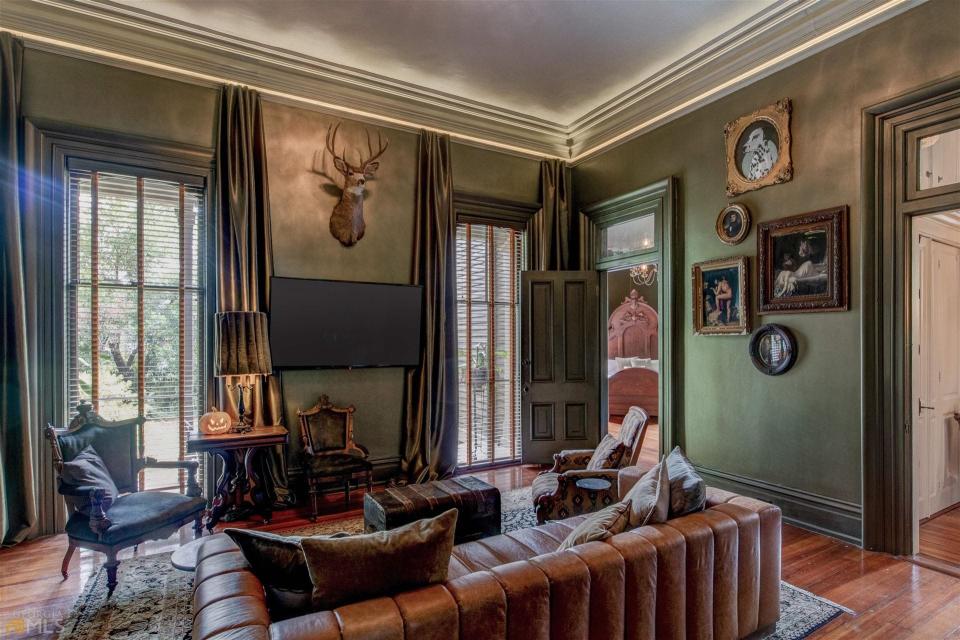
(333, 323)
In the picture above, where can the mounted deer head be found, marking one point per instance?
(346, 221)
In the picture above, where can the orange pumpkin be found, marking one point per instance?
(215, 421)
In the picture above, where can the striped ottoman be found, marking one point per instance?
(478, 504)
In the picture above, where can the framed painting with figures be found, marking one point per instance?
(758, 148)
(721, 297)
(804, 262)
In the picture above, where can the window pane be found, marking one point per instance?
(117, 228)
(939, 160)
(118, 353)
(631, 236)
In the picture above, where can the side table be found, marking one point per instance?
(234, 484)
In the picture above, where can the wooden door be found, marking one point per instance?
(560, 354)
(937, 396)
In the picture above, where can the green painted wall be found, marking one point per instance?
(800, 430)
(85, 94)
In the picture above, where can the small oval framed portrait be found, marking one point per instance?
(758, 148)
(773, 349)
(733, 224)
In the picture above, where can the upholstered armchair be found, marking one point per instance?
(113, 523)
(568, 488)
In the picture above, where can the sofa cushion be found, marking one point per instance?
(650, 497)
(354, 568)
(599, 526)
(85, 473)
(688, 493)
(608, 453)
(136, 514)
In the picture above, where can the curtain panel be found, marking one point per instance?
(551, 229)
(245, 255)
(430, 408)
(19, 427)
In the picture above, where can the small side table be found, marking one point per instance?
(593, 484)
(231, 486)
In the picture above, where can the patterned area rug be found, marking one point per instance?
(153, 600)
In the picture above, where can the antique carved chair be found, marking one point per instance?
(329, 450)
(569, 488)
(134, 516)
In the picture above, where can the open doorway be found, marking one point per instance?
(935, 356)
(632, 346)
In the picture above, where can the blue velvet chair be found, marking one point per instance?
(134, 516)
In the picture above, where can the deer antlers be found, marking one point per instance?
(363, 164)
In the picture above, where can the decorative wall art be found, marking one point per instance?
(721, 297)
(773, 349)
(346, 221)
(733, 224)
(804, 262)
(758, 149)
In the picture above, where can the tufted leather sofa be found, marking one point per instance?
(713, 574)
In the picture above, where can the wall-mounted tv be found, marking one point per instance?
(333, 323)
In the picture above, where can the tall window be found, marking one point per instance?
(134, 305)
(489, 260)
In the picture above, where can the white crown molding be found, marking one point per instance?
(777, 37)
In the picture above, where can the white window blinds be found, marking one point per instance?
(489, 260)
(134, 301)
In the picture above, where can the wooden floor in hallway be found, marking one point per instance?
(940, 537)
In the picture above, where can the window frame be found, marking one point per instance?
(48, 149)
(478, 209)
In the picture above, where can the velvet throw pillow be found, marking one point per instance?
(607, 455)
(599, 526)
(378, 564)
(279, 565)
(85, 473)
(649, 498)
(688, 493)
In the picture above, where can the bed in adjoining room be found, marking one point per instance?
(633, 367)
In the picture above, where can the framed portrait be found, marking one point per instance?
(758, 148)
(721, 297)
(733, 224)
(804, 262)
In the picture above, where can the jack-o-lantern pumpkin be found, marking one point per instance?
(215, 421)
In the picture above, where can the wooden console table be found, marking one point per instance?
(234, 482)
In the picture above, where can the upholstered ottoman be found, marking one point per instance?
(477, 502)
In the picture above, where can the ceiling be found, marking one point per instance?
(551, 59)
(560, 78)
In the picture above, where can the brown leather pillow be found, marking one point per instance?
(599, 526)
(650, 497)
(607, 455)
(377, 564)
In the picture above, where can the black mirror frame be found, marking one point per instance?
(786, 363)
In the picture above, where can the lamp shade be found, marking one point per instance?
(243, 345)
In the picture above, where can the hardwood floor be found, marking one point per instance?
(940, 537)
(891, 598)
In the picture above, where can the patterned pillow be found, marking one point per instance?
(688, 493)
(608, 454)
(632, 422)
(599, 526)
(650, 498)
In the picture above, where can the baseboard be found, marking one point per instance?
(821, 514)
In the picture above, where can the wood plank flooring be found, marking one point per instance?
(940, 537)
(891, 598)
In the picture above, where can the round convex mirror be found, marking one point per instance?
(773, 349)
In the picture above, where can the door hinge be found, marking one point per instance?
(906, 427)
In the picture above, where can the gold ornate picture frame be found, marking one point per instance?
(758, 148)
(721, 297)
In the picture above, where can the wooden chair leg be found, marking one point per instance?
(111, 566)
(369, 482)
(346, 492)
(313, 499)
(198, 525)
(65, 565)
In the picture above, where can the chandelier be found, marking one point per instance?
(644, 275)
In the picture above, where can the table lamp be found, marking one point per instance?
(243, 354)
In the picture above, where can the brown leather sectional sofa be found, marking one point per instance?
(713, 574)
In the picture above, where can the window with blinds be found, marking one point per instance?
(134, 301)
(489, 260)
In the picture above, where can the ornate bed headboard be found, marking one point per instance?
(632, 329)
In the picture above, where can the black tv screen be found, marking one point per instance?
(331, 323)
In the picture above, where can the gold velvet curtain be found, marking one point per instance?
(430, 409)
(245, 255)
(19, 427)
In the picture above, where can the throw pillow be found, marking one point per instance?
(688, 493)
(278, 563)
(623, 363)
(377, 564)
(599, 526)
(86, 472)
(607, 455)
(649, 498)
